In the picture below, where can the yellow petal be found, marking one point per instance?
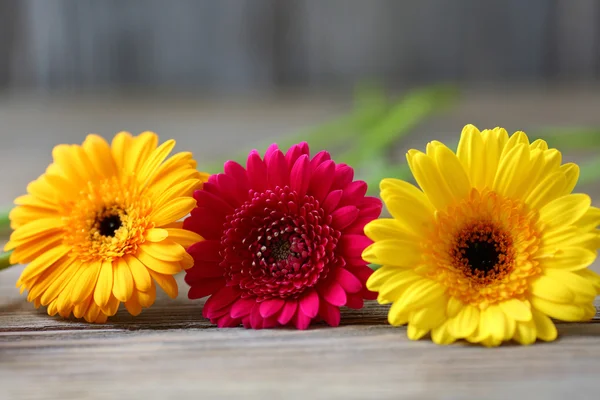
(184, 237)
(472, 155)
(550, 188)
(140, 149)
(167, 283)
(551, 289)
(441, 335)
(133, 305)
(465, 323)
(122, 280)
(394, 288)
(158, 265)
(453, 172)
(564, 312)
(156, 235)
(415, 333)
(99, 153)
(544, 327)
(582, 288)
(397, 317)
(84, 286)
(565, 210)
(156, 157)
(494, 142)
(139, 272)
(172, 211)
(44, 261)
(571, 172)
(146, 299)
(60, 283)
(380, 276)
(36, 228)
(405, 253)
(167, 250)
(421, 293)
(104, 286)
(431, 180)
(516, 309)
(111, 307)
(510, 170)
(181, 189)
(570, 259)
(120, 146)
(430, 317)
(525, 332)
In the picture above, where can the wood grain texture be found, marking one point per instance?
(171, 352)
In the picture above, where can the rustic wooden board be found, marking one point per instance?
(171, 352)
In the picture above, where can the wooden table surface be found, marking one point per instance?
(171, 352)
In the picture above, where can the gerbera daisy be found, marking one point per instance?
(283, 240)
(490, 247)
(99, 227)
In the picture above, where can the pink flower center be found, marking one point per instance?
(276, 245)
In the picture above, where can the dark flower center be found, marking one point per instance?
(484, 252)
(482, 255)
(109, 224)
(277, 244)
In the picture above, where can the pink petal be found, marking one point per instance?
(257, 172)
(351, 246)
(246, 322)
(348, 281)
(238, 173)
(354, 193)
(207, 224)
(272, 149)
(302, 321)
(370, 207)
(321, 180)
(344, 216)
(221, 299)
(212, 202)
(277, 172)
(271, 307)
(319, 158)
(206, 250)
(203, 270)
(242, 307)
(332, 200)
(343, 176)
(270, 322)
(295, 152)
(363, 272)
(205, 288)
(231, 191)
(288, 311)
(227, 321)
(334, 293)
(309, 304)
(256, 321)
(300, 176)
(329, 313)
(355, 301)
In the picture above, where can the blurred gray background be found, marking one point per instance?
(224, 76)
(260, 45)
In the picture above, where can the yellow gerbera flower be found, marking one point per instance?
(492, 245)
(99, 227)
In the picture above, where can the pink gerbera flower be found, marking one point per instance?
(283, 241)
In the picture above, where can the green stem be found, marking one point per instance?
(4, 222)
(5, 260)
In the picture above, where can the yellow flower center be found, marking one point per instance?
(108, 220)
(482, 249)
